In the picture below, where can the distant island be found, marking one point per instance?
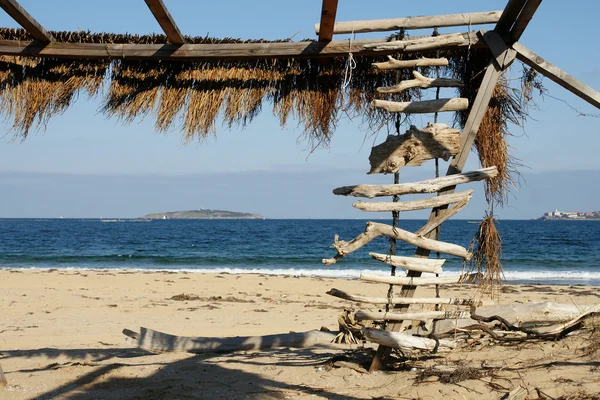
(570, 215)
(203, 214)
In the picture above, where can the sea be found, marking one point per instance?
(544, 252)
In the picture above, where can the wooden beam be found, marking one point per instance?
(422, 82)
(413, 205)
(392, 63)
(432, 266)
(414, 316)
(406, 341)
(16, 12)
(422, 107)
(426, 186)
(523, 19)
(557, 75)
(425, 22)
(166, 22)
(509, 15)
(428, 43)
(328, 12)
(417, 281)
(231, 51)
(406, 300)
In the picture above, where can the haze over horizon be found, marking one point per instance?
(84, 165)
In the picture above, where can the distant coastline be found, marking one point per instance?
(203, 214)
(557, 215)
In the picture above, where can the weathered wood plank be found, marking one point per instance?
(525, 16)
(186, 52)
(326, 26)
(422, 107)
(442, 216)
(509, 15)
(422, 22)
(392, 63)
(426, 186)
(18, 13)
(411, 316)
(429, 43)
(405, 341)
(557, 75)
(375, 229)
(422, 82)
(413, 205)
(418, 281)
(433, 266)
(165, 20)
(414, 147)
(406, 300)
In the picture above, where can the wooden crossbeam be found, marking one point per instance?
(166, 22)
(523, 19)
(394, 24)
(509, 15)
(229, 51)
(16, 12)
(557, 75)
(328, 12)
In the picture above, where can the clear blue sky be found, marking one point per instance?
(85, 143)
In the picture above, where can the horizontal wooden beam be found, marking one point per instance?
(411, 281)
(395, 24)
(325, 27)
(412, 205)
(452, 40)
(406, 341)
(166, 22)
(411, 316)
(421, 82)
(557, 75)
(432, 266)
(392, 63)
(16, 12)
(231, 51)
(405, 300)
(426, 186)
(422, 107)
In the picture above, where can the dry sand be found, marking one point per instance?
(61, 338)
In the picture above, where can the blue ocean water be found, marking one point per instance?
(563, 252)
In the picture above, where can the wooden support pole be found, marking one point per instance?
(422, 107)
(413, 316)
(328, 12)
(375, 230)
(424, 22)
(557, 75)
(509, 15)
(422, 82)
(413, 205)
(392, 63)
(428, 43)
(523, 19)
(412, 281)
(18, 13)
(166, 22)
(404, 341)
(411, 263)
(426, 186)
(405, 300)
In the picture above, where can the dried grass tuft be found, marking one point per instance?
(487, 251)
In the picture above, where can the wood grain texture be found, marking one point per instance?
(405, 341)
(405, 300)
(423, 107)
(412, 205)
(22, 17)
(426, 186)
(412, 316)
(433, 266)
(421, 22)
(422, 82)
(326, 25)
(165, 20)
(392, 63)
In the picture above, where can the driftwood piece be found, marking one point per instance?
(422, 44)
(426, 186)
(3, 381)
(403, 341)
(374, 230)
(442, 216)
(412, 205)
(405, 300)
(392, 63)
(433, 266)
(423, 107)
(518, 393)
(155, 341)
(411, 316)
(422, 82)
(410, 281)
(420, 22)
(414, 148)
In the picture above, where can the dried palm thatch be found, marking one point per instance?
(350, 329)
(487, 251)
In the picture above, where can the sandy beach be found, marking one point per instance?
(61, 338)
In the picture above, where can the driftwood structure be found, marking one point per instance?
(195, 80)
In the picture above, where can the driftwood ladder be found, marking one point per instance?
(413, 148)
